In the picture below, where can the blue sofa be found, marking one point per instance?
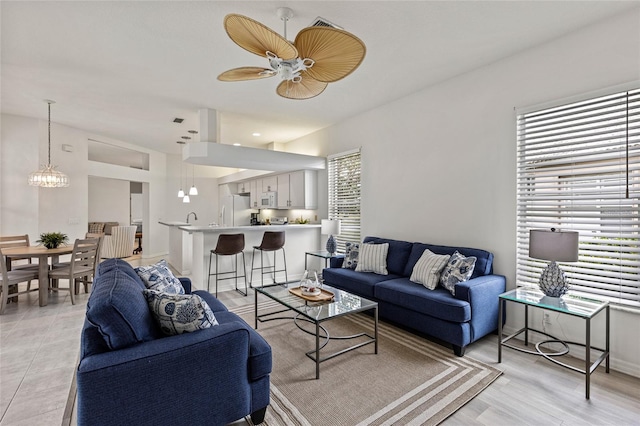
(131, 374)
(459, 320)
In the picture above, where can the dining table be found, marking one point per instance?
(43, 255)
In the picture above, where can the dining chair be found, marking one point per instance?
(81, 266)
(89, 278)
(13, 277)
(120, 243)
(13, 262)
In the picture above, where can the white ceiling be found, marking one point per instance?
(126, 69)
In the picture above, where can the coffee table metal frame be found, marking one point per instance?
(569, 304)
(316, 313)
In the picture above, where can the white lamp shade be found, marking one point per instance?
(186, 199)
(193, 190)
(559, 246)
(330, 227)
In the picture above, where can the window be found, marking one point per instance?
(344, 195)
(579, 170)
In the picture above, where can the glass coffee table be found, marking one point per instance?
(569, 304)
(316, 313)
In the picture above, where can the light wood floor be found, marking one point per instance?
(38, 352)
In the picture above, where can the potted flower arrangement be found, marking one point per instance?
(52, 239)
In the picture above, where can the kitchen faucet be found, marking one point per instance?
(195, 216)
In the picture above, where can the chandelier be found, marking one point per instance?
(48, 176)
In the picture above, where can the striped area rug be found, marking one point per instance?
(411, 381)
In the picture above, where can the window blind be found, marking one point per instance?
(578, 169)
(344, 195)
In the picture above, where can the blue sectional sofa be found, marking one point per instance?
(131, 374)
(459, 320)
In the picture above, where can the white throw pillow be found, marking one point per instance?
(428, 268)
(373, 258)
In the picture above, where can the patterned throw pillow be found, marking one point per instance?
(96, 227)
(351, 255)
(458, 270)
(373, 258)
(159, 277)
(427, 269)
(179, 313)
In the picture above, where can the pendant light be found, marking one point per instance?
(48, 176)
(185, 196)
(193, 190)
(180, 192)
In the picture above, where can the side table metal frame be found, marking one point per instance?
(589, 367)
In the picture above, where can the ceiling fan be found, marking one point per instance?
(319, 55)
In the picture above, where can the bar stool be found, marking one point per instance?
(271, 241)
(229, 245)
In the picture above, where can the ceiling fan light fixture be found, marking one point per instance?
(335, 52)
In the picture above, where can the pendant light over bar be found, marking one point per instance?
(193, 190)
(48, 176)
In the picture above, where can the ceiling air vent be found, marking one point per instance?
(321, 22)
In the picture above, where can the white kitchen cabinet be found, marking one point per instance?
(243, 187)
(283, 191)
(270, 184)
(255, 190)
(298, 190)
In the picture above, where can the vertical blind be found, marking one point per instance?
(344, 195)
(578, 169)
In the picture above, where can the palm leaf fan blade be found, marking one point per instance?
(257, 38)
(305, 89)
(337, 53)
(246, 73)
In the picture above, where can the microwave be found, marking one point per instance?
(268, 200)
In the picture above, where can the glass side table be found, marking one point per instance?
(322, 254)
(569, 304)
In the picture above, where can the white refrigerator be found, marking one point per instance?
(234, 210)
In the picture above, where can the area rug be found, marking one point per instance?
(410, 381)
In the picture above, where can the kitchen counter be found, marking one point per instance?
(180, 246)
(298, 240)
(261, 228)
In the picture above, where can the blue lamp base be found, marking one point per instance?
(331, 244)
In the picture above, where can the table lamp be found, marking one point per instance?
(555, 246)
(331, 227)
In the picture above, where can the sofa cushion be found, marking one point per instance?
(360, 283)
(373, 258)
(398, 254)
(260, 362)
(179, 313)
(484, 259)
(458, 269)
(352, 250)
(118, 308)
(437, 303)
(160, 278)
(428, 268)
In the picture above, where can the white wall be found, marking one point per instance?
(26, 209)
(440, 166)
(109, 200)
(205, 204)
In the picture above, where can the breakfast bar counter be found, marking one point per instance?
(298, 240)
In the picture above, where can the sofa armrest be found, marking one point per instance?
(186, 283)
(482, 293)
(336, 261)
(213, 363)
